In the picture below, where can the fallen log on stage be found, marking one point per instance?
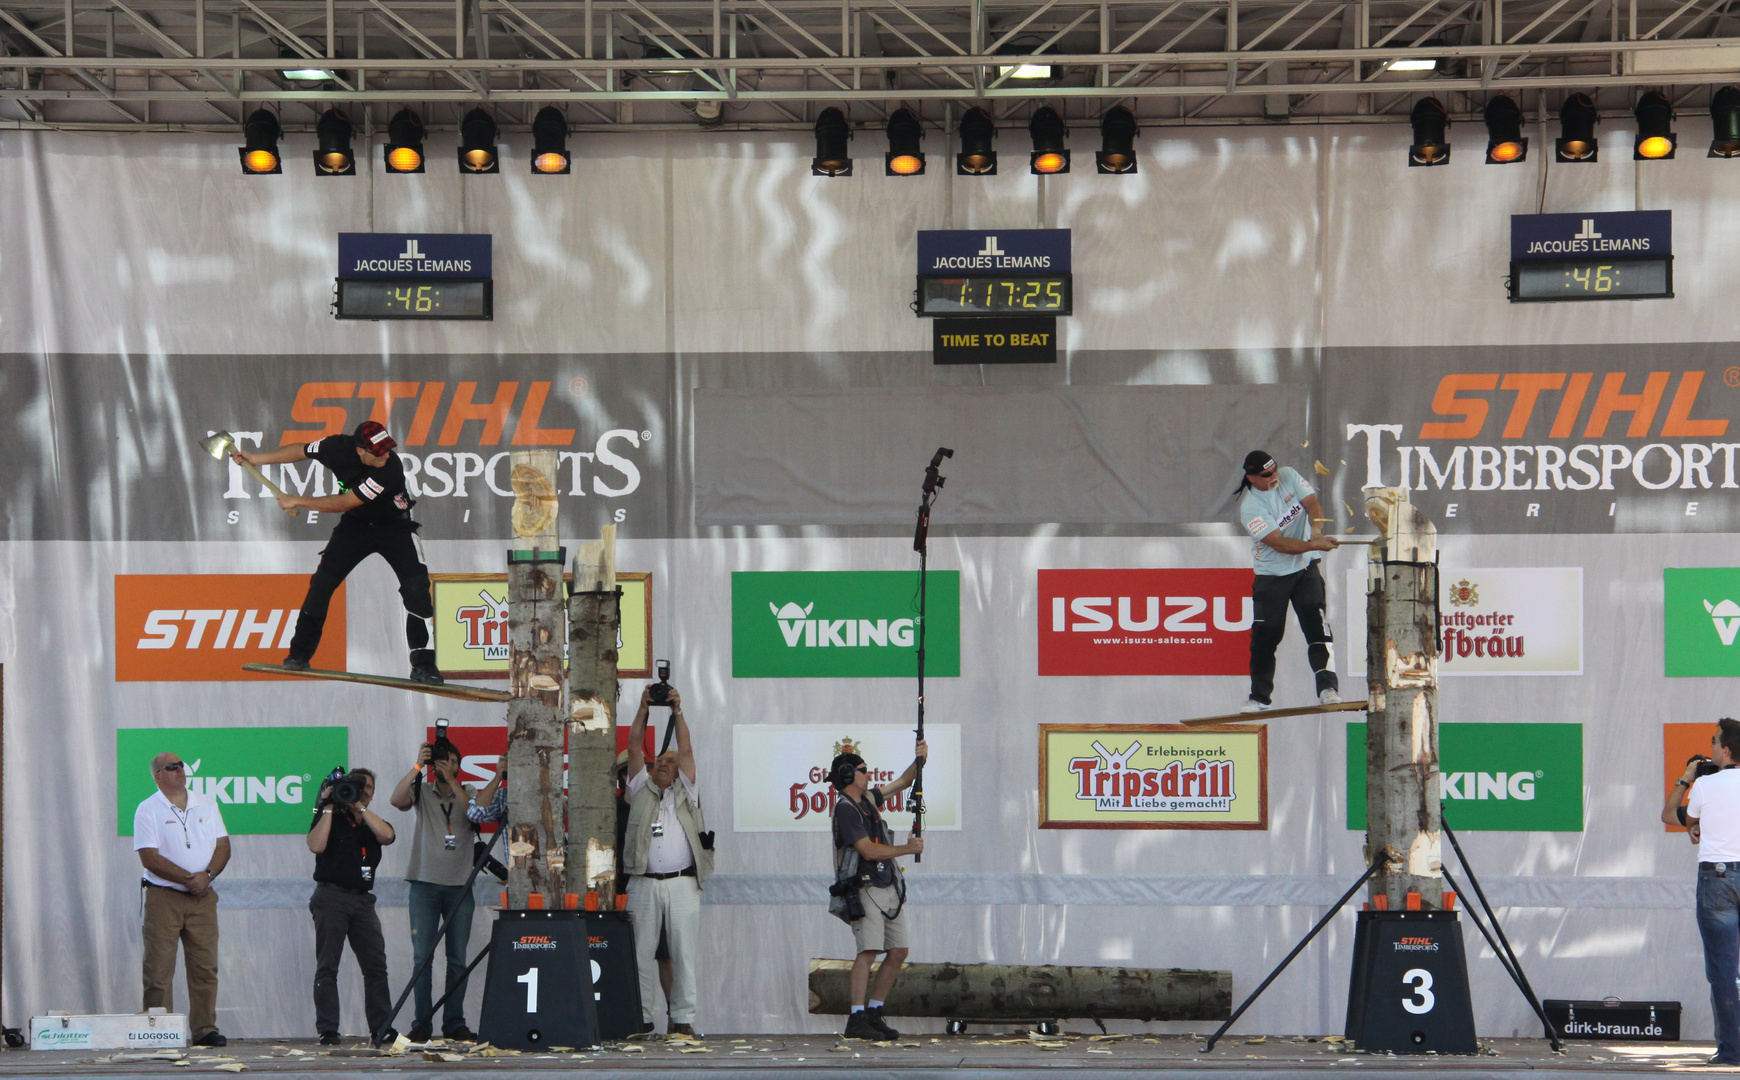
(1011, 992)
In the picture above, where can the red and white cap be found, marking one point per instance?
(371, 435)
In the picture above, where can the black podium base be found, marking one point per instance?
(1409, 992)
(539, 990)
(615, 976)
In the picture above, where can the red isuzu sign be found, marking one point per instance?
(1145, 622)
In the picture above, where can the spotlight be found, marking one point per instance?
(1655, 116)
(477, 144)
(904, 134)
(1048, 131)
(976, 133)
(1025, 71)
(1412, 64)
(1429, 147)
(1117, 152)
(1577, 140)
(1504, 142)
(301, 74)
(404, 149)
(1725, 122)
(333, 156)
(832, 133)
(260, 154)
(550, 142)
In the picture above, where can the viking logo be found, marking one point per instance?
(1726, 616)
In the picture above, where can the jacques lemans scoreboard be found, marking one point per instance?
(994, 295)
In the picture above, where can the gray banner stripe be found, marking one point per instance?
(1247, 890)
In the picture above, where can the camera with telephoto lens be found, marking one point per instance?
(659, 693)
(345, 789)
(1706, 767)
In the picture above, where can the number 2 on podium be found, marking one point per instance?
(530, 978)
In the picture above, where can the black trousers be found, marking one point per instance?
(339, 915)
(352, 542)
(1270, 596)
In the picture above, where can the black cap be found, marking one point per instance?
(1258, 461)
(847, 762)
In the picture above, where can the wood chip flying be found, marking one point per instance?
(1322, 469)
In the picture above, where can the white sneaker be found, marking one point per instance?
(1329, 697)
(1253, 705)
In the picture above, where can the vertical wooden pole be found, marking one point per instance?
(537, 872)
(594, 627)
(1401, 747)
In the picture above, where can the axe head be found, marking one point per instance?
(218, 445)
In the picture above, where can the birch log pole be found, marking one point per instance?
(1401, 744)
(594, 626)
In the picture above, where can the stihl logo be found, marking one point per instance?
(1144, 622)
(1564, 395)
(204, 627)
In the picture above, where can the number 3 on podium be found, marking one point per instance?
(1418, 1003)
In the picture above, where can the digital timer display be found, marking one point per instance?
(414, 298)
(1592, 279)
(988, 295)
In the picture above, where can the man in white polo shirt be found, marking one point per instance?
(1281, 512)
(1713, 815)
(183, 846)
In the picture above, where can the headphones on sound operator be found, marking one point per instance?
(845, 767)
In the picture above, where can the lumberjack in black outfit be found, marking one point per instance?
(377, 521)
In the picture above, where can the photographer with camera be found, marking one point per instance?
(1712, 815)
(868, 891)
(346, 838)
(667, 855)
(441, 860)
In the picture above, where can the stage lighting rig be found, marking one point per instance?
(1655, 118)
(1429, 146)
(404, 149)
(1117, 153)
(1048, 132)
(1505, 144)
(1725, 122)
(976, 133)
(259, 152)
(904, 134)
(333, 155)
(477, 153)
(1577, 142)
(832, 133)
(550, 142)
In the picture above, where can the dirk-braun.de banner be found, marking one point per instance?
(780, 774)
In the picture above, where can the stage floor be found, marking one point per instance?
(1008, 1056)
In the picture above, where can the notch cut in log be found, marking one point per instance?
(1019, 992)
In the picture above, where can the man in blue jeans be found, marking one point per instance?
(1713, 816)
(441, 858)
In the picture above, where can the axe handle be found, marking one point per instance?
(273, 488)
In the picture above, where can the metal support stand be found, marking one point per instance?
(1501, 946)
(1370, 872)
(477, 864)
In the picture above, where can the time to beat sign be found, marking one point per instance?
(994, 341)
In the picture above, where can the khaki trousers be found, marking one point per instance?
(674, 905)
(173, 916)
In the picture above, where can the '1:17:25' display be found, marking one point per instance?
(969, 296)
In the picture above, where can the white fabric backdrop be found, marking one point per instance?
(1272, 243)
